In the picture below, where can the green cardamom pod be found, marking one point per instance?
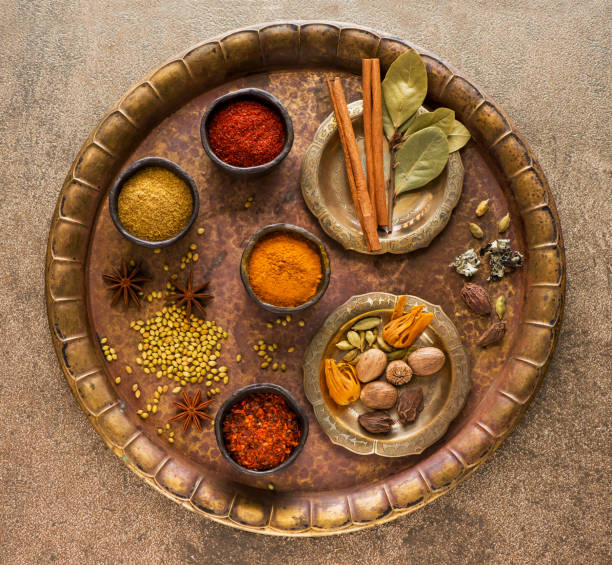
(397, 354)
(367, 324)
(350, 356)
(476, 231)
(500, 306)
(482, 208)
(362, 341)
(345, 346)
(383, 344)
(504, 223)
(370, 337)
(353, 338)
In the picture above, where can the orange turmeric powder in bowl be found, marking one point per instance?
(285, 268)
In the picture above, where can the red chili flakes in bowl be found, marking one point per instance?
(246, 134)
(261, 431)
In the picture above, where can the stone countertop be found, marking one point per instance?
(542, 498)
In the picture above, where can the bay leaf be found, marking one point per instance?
(458, 136)
(388, 127)
(441, 117)
(404, 87)
(420, 159)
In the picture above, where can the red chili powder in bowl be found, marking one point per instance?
(246, 133)
(260, 431)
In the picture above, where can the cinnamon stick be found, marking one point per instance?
(366, 89)
(361, 197)
(380, 195)
(347, 160)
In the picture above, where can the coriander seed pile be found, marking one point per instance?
(186, 350)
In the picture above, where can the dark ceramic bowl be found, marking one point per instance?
(295, 230)
(247, 94)
(261, 388)
(128, 173)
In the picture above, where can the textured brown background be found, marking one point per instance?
(543, 497)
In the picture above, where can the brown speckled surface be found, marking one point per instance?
(542, 497)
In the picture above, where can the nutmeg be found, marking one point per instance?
(398, 373)
(426, 360)
(379, 395)
(376, 422)
(371, 364)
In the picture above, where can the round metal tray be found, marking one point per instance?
(328, 489)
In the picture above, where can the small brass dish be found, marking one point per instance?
(418, 215)
(126, 174)
(259, 96)
(444, 393)
(261, 388)
(296, 231)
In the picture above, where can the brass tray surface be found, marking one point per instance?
(444, 393)
(418, 216)
(328, 489)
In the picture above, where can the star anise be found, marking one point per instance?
(189, 296)
(126, 283)
(191, 410)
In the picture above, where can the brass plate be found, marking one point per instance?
(444, 393)
(328, 489)
(418, 215)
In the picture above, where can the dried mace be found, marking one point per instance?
(403, 331)
(342, 383)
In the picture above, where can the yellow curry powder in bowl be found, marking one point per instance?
(286, 268)
(155, 204)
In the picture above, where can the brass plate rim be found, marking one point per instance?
(336, 430)
(410, 241)
(331, 44)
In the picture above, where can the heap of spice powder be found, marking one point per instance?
(284, 270)
(246, 134)
(155, 204)
(261, 431)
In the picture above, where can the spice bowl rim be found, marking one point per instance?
(130, 171)
(290, 228)
(249, 390)
(244, 94)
